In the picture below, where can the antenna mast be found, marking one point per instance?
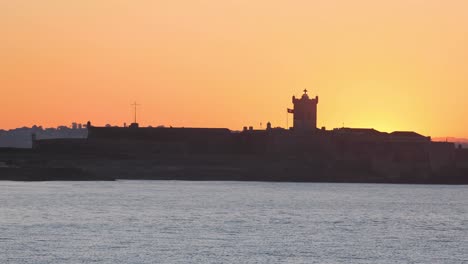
(135, 111)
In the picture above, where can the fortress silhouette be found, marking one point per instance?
(300, 153)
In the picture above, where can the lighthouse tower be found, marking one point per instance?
(305, 112)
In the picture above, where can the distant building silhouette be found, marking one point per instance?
(305, 112)
(341, 154)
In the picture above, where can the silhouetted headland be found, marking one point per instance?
(302, 153)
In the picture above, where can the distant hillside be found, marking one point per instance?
(22, 137)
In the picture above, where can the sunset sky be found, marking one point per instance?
(390, 65)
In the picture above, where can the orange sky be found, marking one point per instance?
(391, 65)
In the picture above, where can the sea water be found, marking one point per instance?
(231, 222)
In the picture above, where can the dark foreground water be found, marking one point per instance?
(231, 222)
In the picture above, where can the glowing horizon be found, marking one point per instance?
(393, 65)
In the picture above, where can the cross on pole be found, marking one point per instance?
(135, 109)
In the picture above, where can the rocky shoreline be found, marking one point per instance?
(31, 166)
(49, 174)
